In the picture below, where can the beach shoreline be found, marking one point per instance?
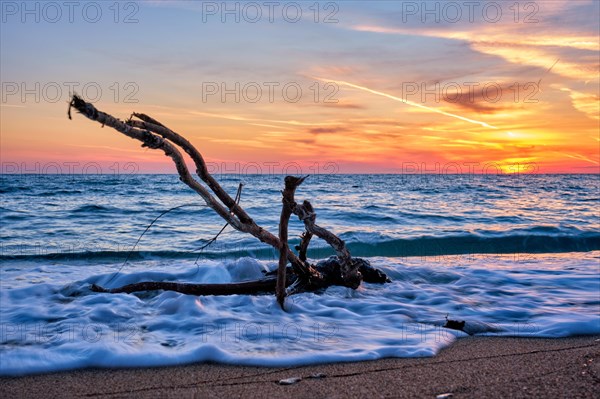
(470, 367)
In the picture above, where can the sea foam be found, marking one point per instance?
(51, 321)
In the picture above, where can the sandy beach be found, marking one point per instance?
(472, 367)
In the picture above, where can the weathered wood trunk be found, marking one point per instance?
(329, 270)
(303, 276)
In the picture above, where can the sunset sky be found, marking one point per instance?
(370, 87)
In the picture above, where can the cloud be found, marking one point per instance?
(534, 44)
(587, 103)
(492, 99)
(327, 130)
(345, 105)
(479, 107)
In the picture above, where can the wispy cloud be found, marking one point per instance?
(250, 119)
(327, 130)
(515, 46)
(589, 104)
(480, 35)
(581, 157)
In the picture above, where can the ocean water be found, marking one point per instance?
(512, 255)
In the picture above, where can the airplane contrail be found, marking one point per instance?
(408, 102)
(545, 73)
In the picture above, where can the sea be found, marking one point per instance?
(511, 255)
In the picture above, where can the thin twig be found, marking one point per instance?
(238, 196)
(140, 237)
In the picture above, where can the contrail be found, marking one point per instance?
(408, 102)
(545, 73)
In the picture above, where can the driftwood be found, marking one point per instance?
(456, 325)
(342, 269)
(329, 270)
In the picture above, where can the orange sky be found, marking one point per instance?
(379, 91)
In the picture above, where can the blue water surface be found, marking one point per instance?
(512, 255)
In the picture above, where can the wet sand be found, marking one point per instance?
(472, 367)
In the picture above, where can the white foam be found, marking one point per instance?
(59, 324)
